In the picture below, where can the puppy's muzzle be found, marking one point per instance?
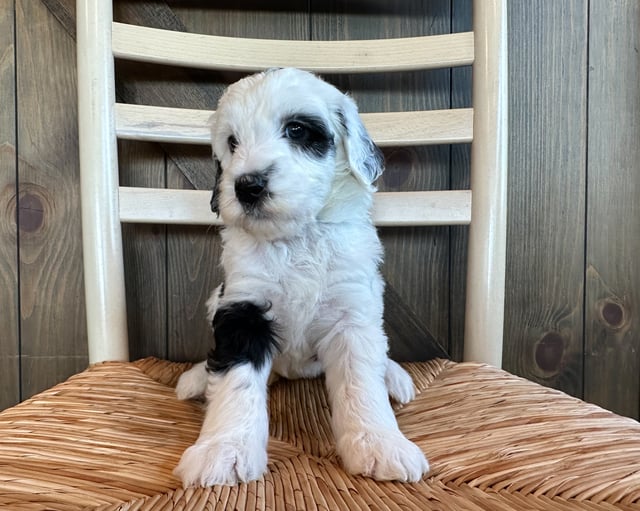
(251, 188)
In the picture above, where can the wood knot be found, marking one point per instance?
(549, 352)
(399, 165)
(31, 209)
(612, 313)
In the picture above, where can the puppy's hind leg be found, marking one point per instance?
(192, 384)
(399, 383)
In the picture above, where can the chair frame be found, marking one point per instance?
(105, 205)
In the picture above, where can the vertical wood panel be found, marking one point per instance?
(53, 324)
(460, 180)
(416, 265)
(9, 361)
(145, 253)
(612, 361)
(545, 255)
(193, 255)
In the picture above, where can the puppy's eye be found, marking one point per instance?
(308, 133)
(295, 130)
(232, 142)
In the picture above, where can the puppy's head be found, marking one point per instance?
(290, 150)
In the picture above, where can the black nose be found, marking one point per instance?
(250, 188)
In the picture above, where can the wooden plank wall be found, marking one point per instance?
(547, 165)
(612, 320)
(9, 338)
(574, 224)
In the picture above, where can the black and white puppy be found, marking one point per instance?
(302, 292)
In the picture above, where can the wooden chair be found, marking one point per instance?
(109, 437)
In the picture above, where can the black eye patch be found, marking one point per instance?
(308, 133)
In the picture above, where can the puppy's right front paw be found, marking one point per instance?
(192, 384)
(208, 463)
(385, 455)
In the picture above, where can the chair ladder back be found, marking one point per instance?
(102, 120)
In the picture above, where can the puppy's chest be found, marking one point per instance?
(297, 306)
(302, 280)
(292, 271)
(300, 275)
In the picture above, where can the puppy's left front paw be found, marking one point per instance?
(383, 455)
(212, 462)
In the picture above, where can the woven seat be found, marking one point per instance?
(108, 439)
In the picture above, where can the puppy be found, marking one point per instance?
(302, 292)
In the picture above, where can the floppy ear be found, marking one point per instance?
(365, 158)
(216, 182)
(217, 168)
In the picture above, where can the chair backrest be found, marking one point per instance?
(105, 204)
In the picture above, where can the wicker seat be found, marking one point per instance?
(109, 437)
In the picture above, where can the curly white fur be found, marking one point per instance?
(310, 250)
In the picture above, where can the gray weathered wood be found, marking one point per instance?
(65, 12)
(9, 348)
(412, 339)
(53, 328)
(545, 256)
(145, 251)
(193, 254)
(460, 162)
(612, 337)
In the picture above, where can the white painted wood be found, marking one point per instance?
(487, 235)
(444, 207)
(239, 54)
(390, 129)
(163, 124)
(181, 125)
(162, 206)
(147, 205)
(102, 240)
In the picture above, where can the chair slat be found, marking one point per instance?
(356, 56)
(181, 125)
(148, 205)
(162, 124)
